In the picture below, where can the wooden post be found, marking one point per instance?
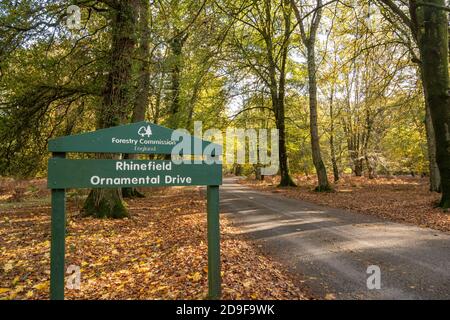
(58, 240)
(214, 277)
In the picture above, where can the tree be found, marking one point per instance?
(141, 99)
(433, 45)
(332, 125)
(50, 79)
(308, 36)
(407, 27)
(115, 107)
(428, 24)
(264, 51)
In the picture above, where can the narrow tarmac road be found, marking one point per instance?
(331, 249)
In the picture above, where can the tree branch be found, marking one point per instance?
(397, 11)
(428, 4)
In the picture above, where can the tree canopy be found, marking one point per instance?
(353, 86)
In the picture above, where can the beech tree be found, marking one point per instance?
(428, 24)
(308, 35)
(116, 96)
(141, 99)
(266, 57)
(433, 45)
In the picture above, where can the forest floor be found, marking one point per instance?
(160, 252)
(399, 199)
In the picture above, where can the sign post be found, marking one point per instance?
(137, 138)
(58, 240)
(213, 242)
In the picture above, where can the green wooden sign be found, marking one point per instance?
(137, 138)
(129, 173)
(141, 137)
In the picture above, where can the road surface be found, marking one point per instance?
(331, 249)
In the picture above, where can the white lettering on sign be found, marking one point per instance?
(145, 142)
(178, 179)
(148, 166)
(99, 181)
(126, 181)
(144, 149)
(124, 141)
(160, 142)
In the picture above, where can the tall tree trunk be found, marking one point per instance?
(113, 111)
(142, 94)
(286, 180)
(433, 45)
(366, 138)
(358, 165)
(309, 40)
(333, 157)
(370, 167)
(435, 176)
(156, 108)
(176, 48)
(314, 130)
(332, 148)
(141, 100)
(333, 160)
(278, 107)
(429, 27)
(277, 88)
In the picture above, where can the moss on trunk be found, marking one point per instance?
(131, 193)
(286, 181)
(105, 203)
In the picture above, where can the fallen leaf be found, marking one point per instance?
(196, 277)
(19, 289)
(42, 286)
(8, 267)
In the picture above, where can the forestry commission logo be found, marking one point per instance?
(145, 131)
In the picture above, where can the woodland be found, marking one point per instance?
(358, 91)
(355, 87)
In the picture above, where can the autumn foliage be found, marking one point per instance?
(160, 252)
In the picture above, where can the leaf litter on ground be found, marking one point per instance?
(160, 252)
(400, 199)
